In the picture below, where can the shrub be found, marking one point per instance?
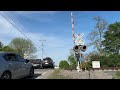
(64, 64)
(107, 61)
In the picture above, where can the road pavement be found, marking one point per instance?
(41, 74)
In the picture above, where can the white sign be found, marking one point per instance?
(78, 39)
(95, 64)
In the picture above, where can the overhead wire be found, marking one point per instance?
(17, 28)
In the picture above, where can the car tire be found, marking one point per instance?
(6, 75)
(31, 73)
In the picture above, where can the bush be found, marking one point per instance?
(72, 67)
(7, 49)
(64, 64)
(88, 65)
(107, 61)
(72, 61)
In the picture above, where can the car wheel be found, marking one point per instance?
(6, 75)
(31, 73)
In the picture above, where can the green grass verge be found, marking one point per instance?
(117, 76)
(56, 75)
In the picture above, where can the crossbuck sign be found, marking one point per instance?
(78, 39)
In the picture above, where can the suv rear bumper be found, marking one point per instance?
(47, 65)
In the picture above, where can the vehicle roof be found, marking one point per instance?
(47, 59)
(4, 53)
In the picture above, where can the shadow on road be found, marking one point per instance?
(35, 76)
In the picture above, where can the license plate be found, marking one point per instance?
(46, 63)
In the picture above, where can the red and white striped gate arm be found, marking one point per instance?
(72, 20)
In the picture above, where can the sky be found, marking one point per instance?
(54, 27)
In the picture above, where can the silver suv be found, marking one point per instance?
(14, 66)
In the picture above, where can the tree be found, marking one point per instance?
(22, 46)
(96, 35)
(1, 45)
(64, 64)
(112, 38)
(7, 49)
(72, 60)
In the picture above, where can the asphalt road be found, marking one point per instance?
(39, 73)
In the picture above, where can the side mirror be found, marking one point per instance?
(27, 61)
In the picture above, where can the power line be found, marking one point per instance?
(22, 28)
(17, 18)
(18, 29)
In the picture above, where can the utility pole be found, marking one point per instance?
(42, 46)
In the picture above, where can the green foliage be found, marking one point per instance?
(64, 64)
(86, 65)
(107, 61)
(1, 45)
(57, 75)
(72, 61)
(7, 49)
(95, 57)
(21, 45)
(104, 61)
(89, 65)
(117, 75)
(112, 38)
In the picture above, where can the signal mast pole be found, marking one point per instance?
(73, 36)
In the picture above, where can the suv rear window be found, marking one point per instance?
(48, 59)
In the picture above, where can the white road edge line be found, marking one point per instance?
(44, 73)
(41, 75)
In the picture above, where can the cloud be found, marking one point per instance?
(32, 15)
(7, 31)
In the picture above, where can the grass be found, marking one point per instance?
(117, 76)
(56, 75)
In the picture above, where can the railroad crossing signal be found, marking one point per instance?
(77, 48)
